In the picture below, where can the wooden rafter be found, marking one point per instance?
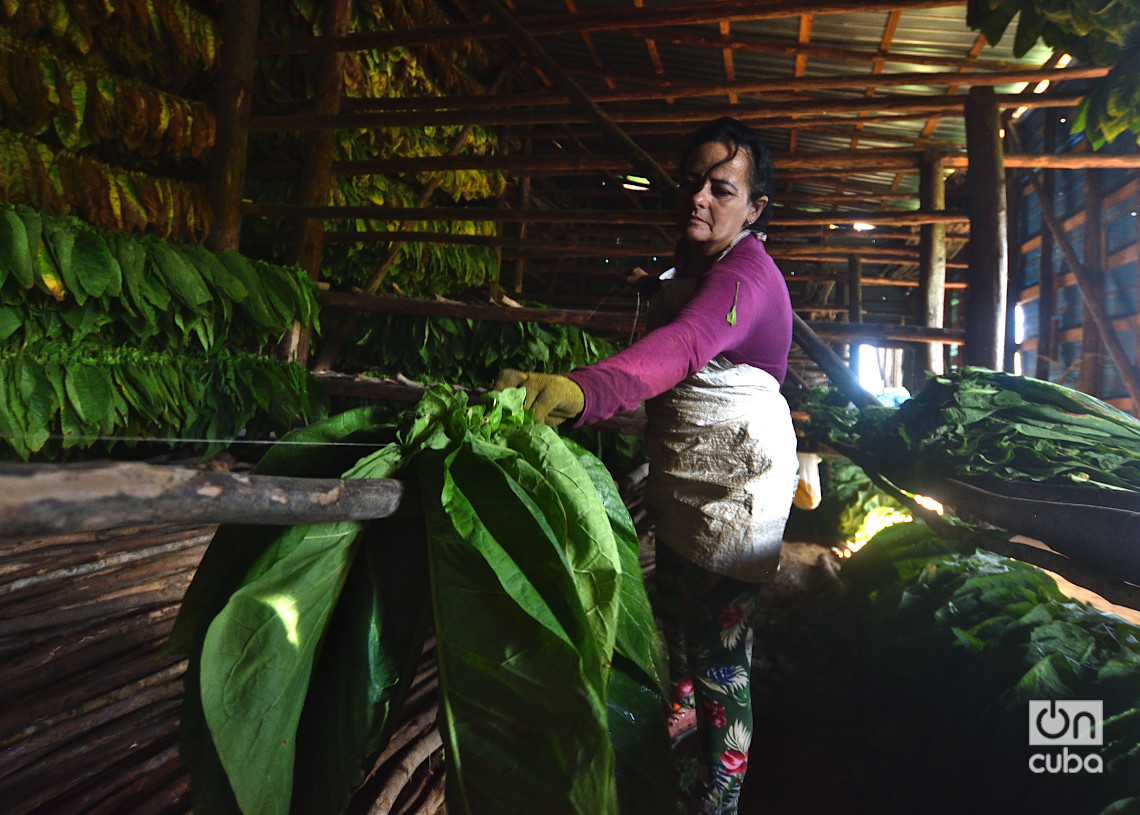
(542, 25)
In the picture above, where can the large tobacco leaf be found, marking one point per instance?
(523, 724)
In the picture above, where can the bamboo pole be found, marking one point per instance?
(39, 498)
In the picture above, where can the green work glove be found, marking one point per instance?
(553, 398)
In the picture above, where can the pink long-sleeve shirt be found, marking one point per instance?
(740, 309)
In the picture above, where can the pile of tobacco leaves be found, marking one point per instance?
(909, 690)
(976, 424)
(524, 562)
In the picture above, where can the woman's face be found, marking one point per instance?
(715, 202)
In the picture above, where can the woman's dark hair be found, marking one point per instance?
(738, 136)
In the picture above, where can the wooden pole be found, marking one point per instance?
(854, 302)
(1013, 198)
(1091, 377)
(988, 252)
(932, 261)
(810, 340)
(308, 246)
(226, 178)
(1047, 281)
(40, 498)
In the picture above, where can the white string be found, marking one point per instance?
(177, 440)
(636, 314)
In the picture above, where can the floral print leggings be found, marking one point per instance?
(707, 620)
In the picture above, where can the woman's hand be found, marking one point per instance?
(553, 398)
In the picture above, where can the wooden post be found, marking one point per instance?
(309, 241)
(931, 260)
(1047, 282)
(1091, 379)
(854, 304)
(1013, 198)
(989, 260)
(226, 178)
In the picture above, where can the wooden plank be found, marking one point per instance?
(987, 276)
(55, 498)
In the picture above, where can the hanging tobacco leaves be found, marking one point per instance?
(105, 196)
(84, 105)
(1094, 32)
(550, 666)
(164, 41)
(55, 398)
(66, 280)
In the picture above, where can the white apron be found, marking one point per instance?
(722, 461)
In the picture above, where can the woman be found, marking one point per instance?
(720, 440)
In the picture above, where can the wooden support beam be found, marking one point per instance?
(985, 185)
(808, 338)
(46, 499)
(673, 119)
(1091, 376)
(309, 233)
(1047, 282)
(932, 261)
(226, 173)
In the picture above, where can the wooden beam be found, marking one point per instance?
(628, 19)
(985, 186)
(226, 173)
(309, 233)
(808, 337)
(1056, 161)
(1047, 285)
(674, 118)
(40, 499)
(1090, 378)
(932, 259)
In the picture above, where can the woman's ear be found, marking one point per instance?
(756, 208)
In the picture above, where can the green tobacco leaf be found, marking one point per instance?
(15, 254)
(511, 686)
(589, 546)
(644, 765)
(374, 640)
(257, 657)
(255, 304)
(96, 270)
(637, 637)
(60, 240)
(182, 279)
(89, 391)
